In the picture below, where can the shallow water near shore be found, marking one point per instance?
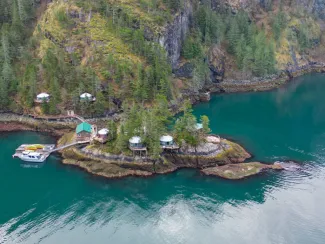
(60, 204)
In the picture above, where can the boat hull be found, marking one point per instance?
(33, 160)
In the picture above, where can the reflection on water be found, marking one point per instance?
(32, 165)
(59, 204)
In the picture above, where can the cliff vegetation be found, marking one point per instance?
(127, 52)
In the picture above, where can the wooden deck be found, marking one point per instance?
(138, 148)
(170, 147)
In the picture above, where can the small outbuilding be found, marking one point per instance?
(87, 97)
(42, 97)
(84, 131)
(102, 135)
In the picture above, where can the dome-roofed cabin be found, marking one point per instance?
(136, 145)
(42, 97)
(102, 135)
(87, 97)
(167, 142)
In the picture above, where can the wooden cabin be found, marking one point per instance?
(83, 132)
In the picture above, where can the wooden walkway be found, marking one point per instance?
(79, 117)
(69, 145)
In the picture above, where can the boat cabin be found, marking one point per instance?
(42, 97)
(32, 155)
(83, 131)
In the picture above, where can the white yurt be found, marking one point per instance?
(135, 141)
(86, 96)
(166, 140)
(43, 97)
(103, 133)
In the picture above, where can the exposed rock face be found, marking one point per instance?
(216, 60)
(175, 34)
(185, 71)
(319, 8)
(316, 7)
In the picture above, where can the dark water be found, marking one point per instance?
(59, 204)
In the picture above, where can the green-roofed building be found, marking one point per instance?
(83, 131)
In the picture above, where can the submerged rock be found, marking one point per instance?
(288, 165)
(239, 171)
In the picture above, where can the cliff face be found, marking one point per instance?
(175, 33)
(319, 8)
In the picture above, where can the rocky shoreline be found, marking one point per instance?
(109, 166)
(256, 84)
(119, 166)
(231, 166)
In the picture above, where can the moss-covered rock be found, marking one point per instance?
(239, 171)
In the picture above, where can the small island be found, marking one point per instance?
(145, 142)
(141, 141)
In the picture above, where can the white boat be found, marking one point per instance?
(32, 157)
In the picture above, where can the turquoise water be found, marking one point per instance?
(61, 204)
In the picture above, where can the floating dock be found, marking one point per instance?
(44, 149)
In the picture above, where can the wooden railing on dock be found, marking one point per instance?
(69, 145)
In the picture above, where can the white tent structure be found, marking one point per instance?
(136, 145)
(135, 141)
(42, 97)
(103, 132)
(166, 140)
(87, 96)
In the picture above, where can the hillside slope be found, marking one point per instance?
(126, 51)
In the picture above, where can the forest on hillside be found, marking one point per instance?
(102, 47)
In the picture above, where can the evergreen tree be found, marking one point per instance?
(112, 130)
(248, 61)
(240, 51)
(100, 104)
(206, 124)
(233, 36)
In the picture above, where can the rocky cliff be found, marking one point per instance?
(175, 33)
